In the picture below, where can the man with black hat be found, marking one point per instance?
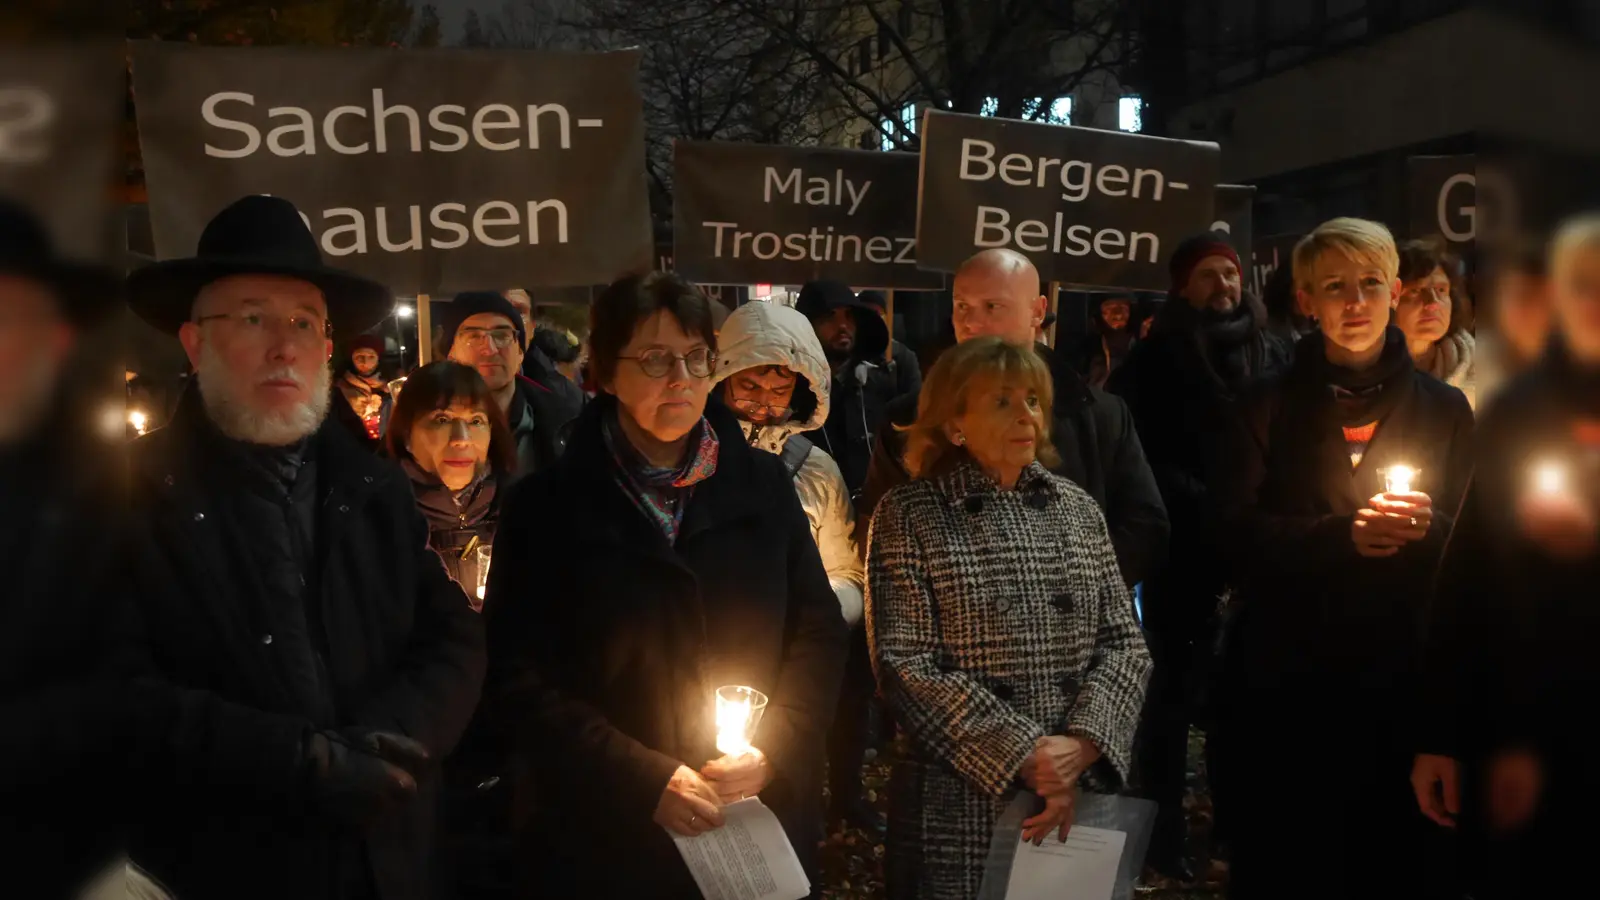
(1209, 345)
(365, 390)
(311, 660)
(65, 743)
(855, 340)
(484, 330)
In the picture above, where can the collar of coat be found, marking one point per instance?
(189, 452)
(585, 475)
(967, 485)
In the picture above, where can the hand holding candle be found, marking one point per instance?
(1554, 517)
(744, 770)
(1394, 518)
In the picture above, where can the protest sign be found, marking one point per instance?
(750, 213)
(60, 108)
(1268, 255)
(433, 171)
(1089, 207)
(1442, 197)
(1232, 216)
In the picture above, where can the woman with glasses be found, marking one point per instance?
(682, 562)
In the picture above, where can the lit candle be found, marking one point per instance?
(138, 420)
(739, 711)
(1549, 478)
(1397, 479)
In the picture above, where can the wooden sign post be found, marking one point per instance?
(424, 330)
(1052, 308)
(888, 352)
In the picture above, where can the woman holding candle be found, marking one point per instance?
(451, 438)
(683, 563)
(1000, 627)
(1337, 490)
(1507, 744)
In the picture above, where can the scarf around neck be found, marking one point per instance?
(444, 508)
(1225, 344)
(1359, 398)
(661, 494)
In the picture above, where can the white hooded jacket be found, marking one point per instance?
(766, 334)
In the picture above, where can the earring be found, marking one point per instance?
(961, 440)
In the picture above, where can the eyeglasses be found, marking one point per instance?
(300, 326)
(658, 363)
(475, 338)
(761, 413)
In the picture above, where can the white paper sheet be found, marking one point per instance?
(1083, 868)
(749, 858)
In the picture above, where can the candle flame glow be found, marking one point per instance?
(739, 711)
(1398, 479)
(138, 420)
(1550, 477)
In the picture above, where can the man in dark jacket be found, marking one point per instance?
(66, 745)
(997, 293)
(308, 658)
(538, 365)
(856, 342)
(1208, 346)
(902, 361)
(484, 330)
(1113, 338)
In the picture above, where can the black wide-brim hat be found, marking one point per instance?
(257, 235)
(86, 294)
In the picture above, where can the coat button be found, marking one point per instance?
(1004, 604)
(1004, 691)
(199, 517)
(266, 639)
(1062, 602)
(945, 663)
(343, 508)
(974, 505)
(169, 481)
(1067, 684)
(367, 478)
(1038, 499)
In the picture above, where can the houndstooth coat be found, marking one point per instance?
(994, 617)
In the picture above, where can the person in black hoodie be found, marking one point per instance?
(997, 293)
(1505, 750)
(902, 361)
(1208, 346)
(1113, 339)
(1338, 486)
(855, 340)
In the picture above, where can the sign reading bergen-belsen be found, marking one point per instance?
(60, 115)
(433, 171)
(1232, 216)
(751, 213)
(1089, 207)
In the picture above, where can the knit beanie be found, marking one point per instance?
(1194, 251)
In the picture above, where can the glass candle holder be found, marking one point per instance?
(739, 710)
(1399, 479)
(484, 554)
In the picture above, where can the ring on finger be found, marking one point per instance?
(692, 820)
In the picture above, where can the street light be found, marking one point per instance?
(403, 311)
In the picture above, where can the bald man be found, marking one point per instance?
(997, 293)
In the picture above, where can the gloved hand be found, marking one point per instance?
(362, 781)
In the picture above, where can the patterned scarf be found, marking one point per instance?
(661, 494)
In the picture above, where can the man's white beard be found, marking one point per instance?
(230, 409)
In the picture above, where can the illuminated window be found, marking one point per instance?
(1130, 114)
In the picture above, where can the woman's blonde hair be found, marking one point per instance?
(1362, 240)
(944, 397)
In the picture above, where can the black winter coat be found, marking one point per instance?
(1511, 659)
(605, 644)
(400, 649)
(1179, 410)
(1100, 452)
(68, 745)
(1321, 671)
(540, 419)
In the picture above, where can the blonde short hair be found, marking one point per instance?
(945, 391)
(1579, 233)
(1362, 240)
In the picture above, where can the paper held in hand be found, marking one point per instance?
(749, 858)
(1083, 868)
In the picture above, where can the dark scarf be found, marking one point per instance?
(444, 508)
(661, 494)
(1226, 345)
(1358, 398)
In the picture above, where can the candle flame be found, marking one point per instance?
(733, 719)
(1398, 479)
(138, 420)
(1550, 478)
